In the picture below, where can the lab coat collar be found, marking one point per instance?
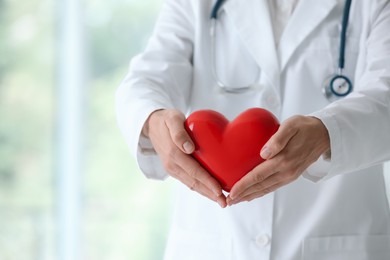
(307, 16)
(253, 23)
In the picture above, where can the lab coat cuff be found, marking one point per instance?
(324, 167)
(148, 160)
(318, 171)
(151, 166)
(132, 115)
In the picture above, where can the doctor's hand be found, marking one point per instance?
(165, 128)
(298, 143)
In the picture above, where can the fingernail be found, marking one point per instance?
(228, 198)
(220, 204)
(188, 147)
(265, 153)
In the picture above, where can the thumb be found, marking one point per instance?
(278, 141)
(179, 135)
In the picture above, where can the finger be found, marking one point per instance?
(175, 124)
(257, 175)
(196, 171)
(263, 186)
(221, 200)
(173, 157)
(189, 169)
(279, 140)
(199, 187)
(182, 166)
(257, 194)
(195, 184)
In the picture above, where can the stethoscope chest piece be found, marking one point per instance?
(337, 86)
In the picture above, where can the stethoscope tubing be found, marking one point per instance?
(343, 34)
(214, 11)
(341, 61)
(220, 83)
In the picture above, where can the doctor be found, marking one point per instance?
(320, 194)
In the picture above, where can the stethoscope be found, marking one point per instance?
(223, 86)
(335, 86)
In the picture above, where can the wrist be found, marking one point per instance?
(324, 137)
(146, 127)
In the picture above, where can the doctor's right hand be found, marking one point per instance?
(165, 129)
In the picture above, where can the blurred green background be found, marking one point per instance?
(124, 216)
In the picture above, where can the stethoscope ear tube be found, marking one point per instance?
(222, 86)
(214, 11)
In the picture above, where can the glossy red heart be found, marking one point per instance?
(229, 150)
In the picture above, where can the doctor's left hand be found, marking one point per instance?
(298, 143)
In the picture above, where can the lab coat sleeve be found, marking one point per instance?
(359, 125)
(158, 78)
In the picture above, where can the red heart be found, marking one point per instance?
(229, 150)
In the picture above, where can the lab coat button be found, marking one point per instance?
(263, 240)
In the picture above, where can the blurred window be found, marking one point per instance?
(123, 216)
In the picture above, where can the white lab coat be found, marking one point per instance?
(336, 210)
